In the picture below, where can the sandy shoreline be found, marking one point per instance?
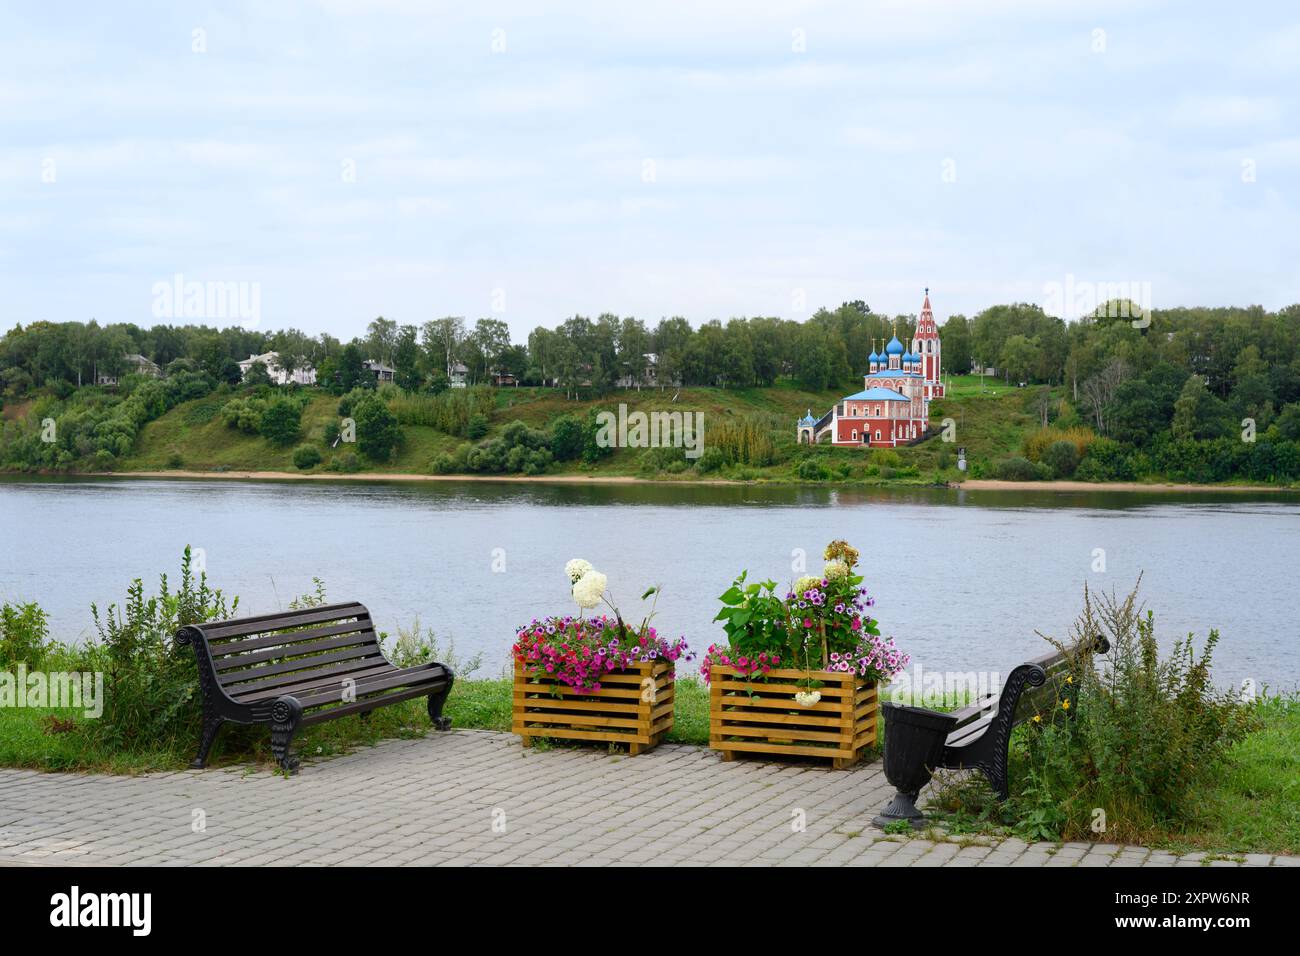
(972, 484)
(993, 484)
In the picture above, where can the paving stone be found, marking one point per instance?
(475, 798)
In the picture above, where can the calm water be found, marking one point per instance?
(962, 579)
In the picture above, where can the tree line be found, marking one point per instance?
(1247, 357)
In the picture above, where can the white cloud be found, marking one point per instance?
(1225, 110)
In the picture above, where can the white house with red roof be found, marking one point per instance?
(893, 407)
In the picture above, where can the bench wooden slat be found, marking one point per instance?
(250, 693)
(295, 651)
(240, 627)
(243, 644)
(266, 673)
(402, 677)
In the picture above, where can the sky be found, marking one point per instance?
(343, 160)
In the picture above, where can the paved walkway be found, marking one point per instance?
(477, 797)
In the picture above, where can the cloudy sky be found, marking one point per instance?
(705, 159)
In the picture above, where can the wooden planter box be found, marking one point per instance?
(616, 713)
(762, 717)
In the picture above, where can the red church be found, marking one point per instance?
(894, 406)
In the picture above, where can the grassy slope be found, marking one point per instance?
(990, 424)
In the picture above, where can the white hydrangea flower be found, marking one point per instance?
(589, 589)
(806, 698)
(576, 568)
(835, 569)
(806, 583)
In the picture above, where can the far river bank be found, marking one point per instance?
(971, 484)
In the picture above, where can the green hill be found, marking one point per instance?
(990, 422)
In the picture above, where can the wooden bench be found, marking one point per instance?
(918, 741)
(983, 730)
(299, 668)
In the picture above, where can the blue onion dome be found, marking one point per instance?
(873, 357)
(808, 419)
(894, 347)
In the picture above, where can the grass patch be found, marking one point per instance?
(1256, 805)
(48, 738)
(1251, 806)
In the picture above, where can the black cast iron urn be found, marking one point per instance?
(914, 741)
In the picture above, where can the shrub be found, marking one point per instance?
(244, 414)
(1062, 457)
(654, 460)
(378, 432)
(306, 456)
(348, 402)
(174, 460)
(710, 460)
(574, 437)
(1146, 739)
(24, 634)
(1020, 469)
(151, 686)
(477, 427)
(345, 462)
(518, 448)
(416, 645)
(1107, 460)
(810, 469)
(281, 421)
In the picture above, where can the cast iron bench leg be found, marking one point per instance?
(211, 725)
(286, 713)
(436, 702)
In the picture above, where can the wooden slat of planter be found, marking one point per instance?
(615, 705)
(797, 720)
(758, 686)
(763, 717)
(793, 750)
(615, 713)
(785, 702)
(812, 736)
(550, 690)
(580, 720)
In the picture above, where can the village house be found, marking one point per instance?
(304, 374)
(383, 373)
(136, 364)
(458, 375)
(649, 377)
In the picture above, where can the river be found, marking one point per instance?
(963, 579)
